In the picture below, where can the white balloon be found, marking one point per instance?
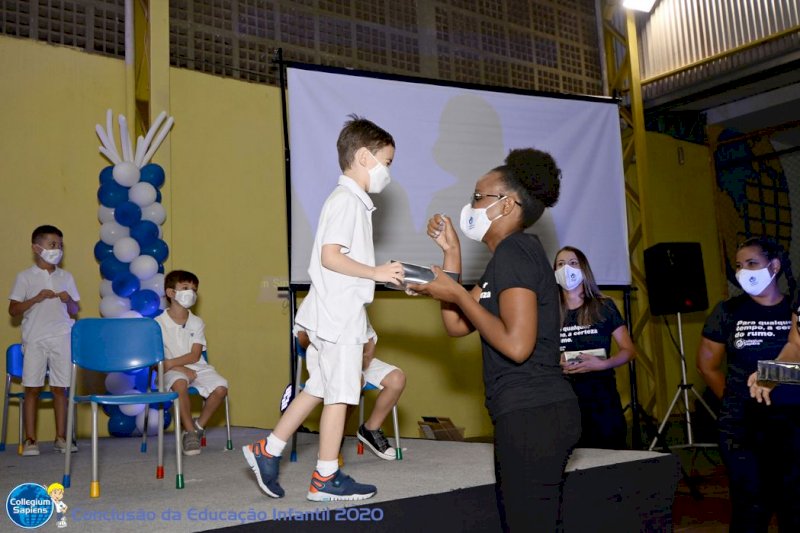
(126, 249)
(130, 314)
(163, 304)
(132, 409)
(126, 173)
(154, 283)
(144, 267)
(105, 214)
(152, 421)
(111, 232)
(113, 306)
(106, 288)
(142, 194)
(119, 382)
(154, 213)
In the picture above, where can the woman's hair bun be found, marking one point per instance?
(537, 172)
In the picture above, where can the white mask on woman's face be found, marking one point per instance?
(186, 298)
(754, 282)
(475, 222)
(569, 277)
(379, 176)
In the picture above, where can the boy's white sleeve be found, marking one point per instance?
(19, 290)
(338, 220)
(200, 334)
(72, 289)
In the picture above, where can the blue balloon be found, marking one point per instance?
(111, 410)
(103, 251)
(107, 175)
(154, 313)
(145, 301)
(112, 194)
(167, 418)
(121, 425)
(158, 249)
(125, 284)
(111, 268)
(128, 214)
(144, 232)
(158, 195)
(152, 174)
(160, 268)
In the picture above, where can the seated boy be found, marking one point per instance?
(184, 365)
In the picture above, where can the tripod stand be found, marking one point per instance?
(683, 390)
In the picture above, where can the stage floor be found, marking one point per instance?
(221, 490)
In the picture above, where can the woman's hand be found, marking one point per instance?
(760, 389)
(441, 230)
(586, 363)
(443, 288)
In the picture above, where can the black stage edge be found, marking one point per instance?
(622, 497)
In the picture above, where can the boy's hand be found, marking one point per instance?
(391, 272)
(441, 230)
(64, 296)
(188, 372)
(369, 354)
(45, 294)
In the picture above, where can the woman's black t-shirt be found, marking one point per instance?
(575, 337)
(750, 332)
(520, 261)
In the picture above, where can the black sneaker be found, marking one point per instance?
(376, 441)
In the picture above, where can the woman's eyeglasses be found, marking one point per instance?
(477, 197)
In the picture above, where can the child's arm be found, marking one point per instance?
(333, 259)
(186, 359)
(16, 308)
(72, 306)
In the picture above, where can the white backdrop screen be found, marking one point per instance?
(447, 137)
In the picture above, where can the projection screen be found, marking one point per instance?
(447, 137)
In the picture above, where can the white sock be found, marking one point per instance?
(327, 468)
(275, 445)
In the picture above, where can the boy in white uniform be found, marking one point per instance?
(343, 276)
(184, 338)
(47, 299)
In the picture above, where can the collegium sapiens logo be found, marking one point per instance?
(29, 505)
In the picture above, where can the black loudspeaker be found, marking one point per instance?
(676, 281)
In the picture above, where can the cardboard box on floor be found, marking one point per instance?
(439, 428)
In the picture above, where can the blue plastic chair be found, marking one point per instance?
(14, 358)
(120, 345)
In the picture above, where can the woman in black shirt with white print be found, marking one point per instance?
(758, 444)
(515, 309)
(589, 321)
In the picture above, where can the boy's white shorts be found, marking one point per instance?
(55, 354)
(376, 371)
(334, 371)
(206, 381)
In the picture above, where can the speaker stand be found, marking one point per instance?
(683, 391)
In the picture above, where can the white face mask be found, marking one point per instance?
(569, 277)
(186, 298)
(754, 282)
(379, 176)
(52, 256)
(475, 222)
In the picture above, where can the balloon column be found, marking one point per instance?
(131, 251)
(128, 420)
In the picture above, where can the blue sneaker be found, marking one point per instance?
(338, 486)
(265, 466)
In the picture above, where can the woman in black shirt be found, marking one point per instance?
(589, 320)
(515, 309)
(758, 444)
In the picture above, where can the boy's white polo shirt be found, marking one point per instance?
(335, 308)
(178, 339)
(48, 318)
